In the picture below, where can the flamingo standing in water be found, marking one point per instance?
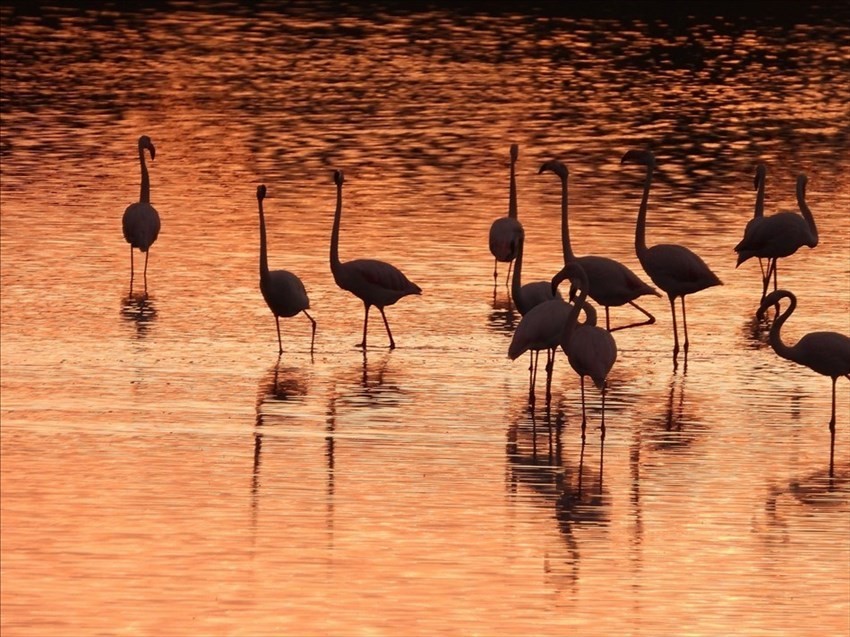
(779, 235)
(374, 282)
(591, 350)
(758, 214)
(283, 291)
(673, 268)
(140, 222)
(504, 231)
(611, 282)
(826, 353)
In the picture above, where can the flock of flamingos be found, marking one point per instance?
(548, 321)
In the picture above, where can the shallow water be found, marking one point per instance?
(164, 473)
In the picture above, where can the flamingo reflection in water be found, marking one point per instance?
(140, 223)
(827, 353)
(374, 282)
(672, 267)
(504, 231)
(283, 291)
(778, 235)
(141, 311)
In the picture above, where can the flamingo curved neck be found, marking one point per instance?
(145, 194)
(640, 230)
(516, 280)
(565, 222)
(264, 260)
(335, 263)
(512, 203)
(578, 303)
(776, 342)
(590, 316)
(807, 213)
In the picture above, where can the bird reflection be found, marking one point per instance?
(679, 428)
(756, 332)
(139, 310)
(503, 317)
(372, 384)
(574, 491)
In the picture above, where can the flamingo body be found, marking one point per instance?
(540, 328)
(140, 223)
(591, 350)
(374, 282)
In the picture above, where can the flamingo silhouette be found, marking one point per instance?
(504, 230)
(779, 235)
(611, 282)
(140, 222)
(758, 214)
(283, 291)
(827, 353)
(591, 350)
(673, 268)
(374, 282)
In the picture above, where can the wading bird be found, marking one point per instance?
(141, 220)
(504, 230)
(283, 291)
(758, 215)
(611, 282)
(374, 282)
(591, 350)
(779, 235)
(827, 353)
(673, 268)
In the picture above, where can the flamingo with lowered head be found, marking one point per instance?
(591, 350)
(611, 282)
(779, 235)
(505, 230)
(672, 267)
(374, 282)
(140, 222)
(827, 353)
(283, 291)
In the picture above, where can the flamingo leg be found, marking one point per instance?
(495, 271)
(531, 392)
(832, 430)
(602, 440)
(277, 325)
(147, 253)
(508, 279)
(313, 336)
(675, 331)
(608, 319)
(685, 324)
(550, 366)
(131, 270)
(650, 319)
(365, 323)
(583, 416)
(775, 269)
(604, 391)
(387, 325)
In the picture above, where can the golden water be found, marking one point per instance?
(164, 473)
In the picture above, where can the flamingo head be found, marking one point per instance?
(514, 152)
(145, 142)
(555, 166)
(772, 299)
(261, 192)
(643, 157)
(338, 177)
(761, 171)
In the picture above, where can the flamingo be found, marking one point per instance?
(283, 291)
(758, 214)
(779, 235)
(374, 282)
(140, 222)
(611, 282)
(504, 230)
(673, 268)
(827, 353)
(591, 350)
(526, 297)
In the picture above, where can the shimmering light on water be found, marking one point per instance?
(163, 473)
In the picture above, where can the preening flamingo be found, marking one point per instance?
(283, 291)
(591, 350)
(611, 282)
(140, 222)
(779, 235)
(374, 282)
(826, 353)
(504, 230)
(673, 268)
